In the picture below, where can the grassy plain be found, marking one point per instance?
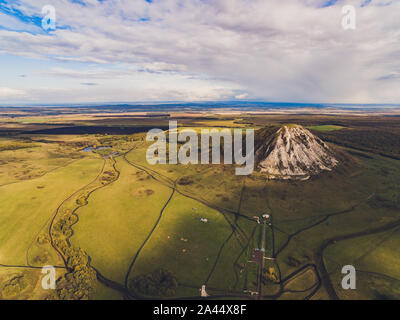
(28, 205)
(154, 213)
(326, 128)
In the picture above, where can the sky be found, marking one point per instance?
(199, 50)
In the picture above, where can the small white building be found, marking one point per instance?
(257, 219)
(204, 293)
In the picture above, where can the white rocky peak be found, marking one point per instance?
(295, 153)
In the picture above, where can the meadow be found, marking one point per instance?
(121, 220)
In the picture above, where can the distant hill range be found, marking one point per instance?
(292, 152)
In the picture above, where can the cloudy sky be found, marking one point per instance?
(199, 50)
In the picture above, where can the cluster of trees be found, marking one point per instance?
(380, 201)
(76, 144)
(43, 239)
(63, 225)
(298, 260)
(79, 283)
(109, 141)
(293, 262)
(269, 275)
(156, 284)
(14, 286)
(383, 141)
(82, 201)
(184, 181)
(41, 259)
(108, 177)
(104, 152)
(16, 145)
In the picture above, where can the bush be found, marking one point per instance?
(82, 201)
(43, 239)
(14, 286)
(293, 262)
(184, 181)
(159, 283)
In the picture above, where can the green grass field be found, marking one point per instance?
(326, 128)
(134, 219)
(27, 205)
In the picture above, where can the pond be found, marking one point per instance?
(90, 149)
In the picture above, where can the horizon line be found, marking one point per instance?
(178, 102)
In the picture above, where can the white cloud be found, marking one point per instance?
(93, 92)
(6, 93)
(294, 50)
(241, 96)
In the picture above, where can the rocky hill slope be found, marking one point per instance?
(293, 152)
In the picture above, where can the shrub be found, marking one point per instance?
(158, 283)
